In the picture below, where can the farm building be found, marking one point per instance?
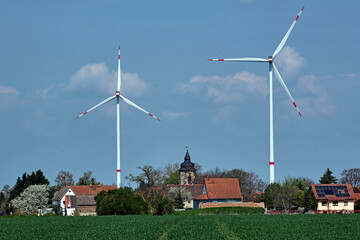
(78, 198)
(334, 197)
(219, 190)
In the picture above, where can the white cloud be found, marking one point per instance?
(316, 100)
(290, 61)
(8, 90)
(228, 89)
(176, 115)
(97, 77)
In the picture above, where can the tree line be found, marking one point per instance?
(32, 191)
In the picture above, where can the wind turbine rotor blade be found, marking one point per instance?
(119, 72)
(283, 41)
(136, 106)
(96, 106)
(240, 60)
(278, 76)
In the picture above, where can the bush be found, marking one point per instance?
(122, 201)
(161, 205)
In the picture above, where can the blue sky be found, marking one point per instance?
(60, 58)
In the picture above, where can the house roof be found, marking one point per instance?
(194, 189)
(91, 190)
(85, 200)
(58, 195)
(337, 192)
(221, 188)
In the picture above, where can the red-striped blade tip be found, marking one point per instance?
(77, 117)
(210, 59)
(302, 8)
(158, 119)
(300, 114)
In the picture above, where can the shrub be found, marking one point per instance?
(122, 201)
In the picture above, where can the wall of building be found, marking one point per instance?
(86, 210)
(330, 207)
(232, 204)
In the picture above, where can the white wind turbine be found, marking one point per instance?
(118, 96)
(272, 67)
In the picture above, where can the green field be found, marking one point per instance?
(342, 226)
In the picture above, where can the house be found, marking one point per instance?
(334, 197)
(80, 199)
(219, 190)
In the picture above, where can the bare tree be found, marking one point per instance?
(149, 177)
(64, 178)
(351, 176)
(87, 179)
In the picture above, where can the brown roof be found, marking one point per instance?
(85, 200)
(194, 189)
(332, 195)
(82, 190)
(91, 190)
(221, 188)
(59, 194)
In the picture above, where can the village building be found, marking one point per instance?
(187, 170)
(333, 198)
(219, 190)
(78, 199)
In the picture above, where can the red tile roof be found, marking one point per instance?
(332, 196)
(221, 188)
(91, 190)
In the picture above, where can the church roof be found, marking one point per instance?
(187, 165)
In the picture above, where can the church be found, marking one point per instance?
(214, 192)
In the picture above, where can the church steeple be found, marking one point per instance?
(187, 170)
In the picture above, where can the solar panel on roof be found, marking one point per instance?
(329, 192)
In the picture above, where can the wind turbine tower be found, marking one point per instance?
(272, 68)
(118, 97)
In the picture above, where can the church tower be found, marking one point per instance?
(187, 170)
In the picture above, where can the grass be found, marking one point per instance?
(342, 226)
(222, 211)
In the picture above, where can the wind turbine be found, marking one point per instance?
(272, 68)
(118, 96)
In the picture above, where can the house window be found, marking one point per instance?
(345, 203)
(63, 202)
(323, 203)
(335, 203)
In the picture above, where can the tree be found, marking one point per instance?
(351, 176)
(36, 178)
(64, 178)
(4, 204)
(122, 201)
(32, 198)
(179, 195)
(328, 178)
(173, 178)
(159, 203)
(5, 190)
(149, 177)
(309, 202)
(87, 179)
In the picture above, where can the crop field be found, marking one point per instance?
(342, 226)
